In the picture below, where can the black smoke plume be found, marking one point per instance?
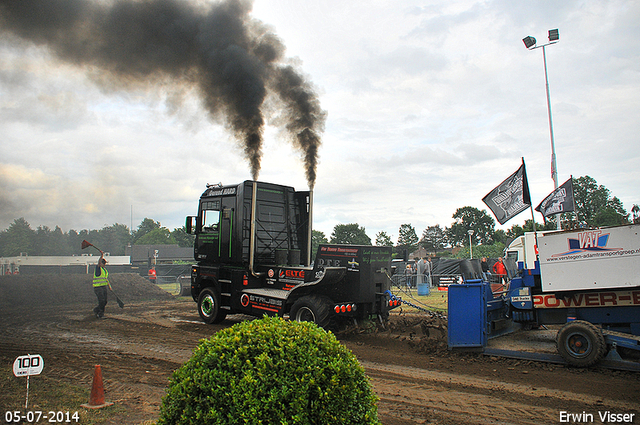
(234, 60)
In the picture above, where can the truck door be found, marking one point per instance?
(214, 240)
(208, 233)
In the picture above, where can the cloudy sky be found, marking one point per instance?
(430, 105)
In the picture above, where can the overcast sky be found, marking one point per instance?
(430, 105)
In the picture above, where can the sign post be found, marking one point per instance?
(31, 364)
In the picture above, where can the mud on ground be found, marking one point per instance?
(416, 378)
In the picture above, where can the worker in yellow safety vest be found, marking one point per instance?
(100, 285)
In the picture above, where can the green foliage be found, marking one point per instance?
(470, 218)
(594, 205)
(18, 238)
(146, 226)
(383, 239)
(160, 236)
(270, 371)
(433, 238)
(317, 238)
(113, 239)
(183, 239)
(500, 236)
(351, 234)
(407, 239)
(21, 238)
(490, 251)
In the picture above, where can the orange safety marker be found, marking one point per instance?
(96, 399)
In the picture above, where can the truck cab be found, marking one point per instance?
(252, 253)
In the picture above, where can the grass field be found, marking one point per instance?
(435, 301)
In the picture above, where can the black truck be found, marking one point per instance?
(253, 252)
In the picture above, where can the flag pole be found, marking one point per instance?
(533, 218)
(535, 233)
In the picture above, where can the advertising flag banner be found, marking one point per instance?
(511, 197)
(559, 201)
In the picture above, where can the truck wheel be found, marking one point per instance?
(311, 309)
(581, 343)
(209, 306)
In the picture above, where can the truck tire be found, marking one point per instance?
(209, 306)
(581, 343)
(312, 308)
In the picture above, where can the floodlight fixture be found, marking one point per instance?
(554, 35)
(529, 41)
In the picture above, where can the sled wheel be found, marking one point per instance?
(581, 343)
(209, 306)
(311, 309)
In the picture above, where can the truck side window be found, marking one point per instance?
(210, 216)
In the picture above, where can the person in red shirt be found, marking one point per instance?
(500, 270)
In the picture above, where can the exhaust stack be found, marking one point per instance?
(310, 234)
(252, 239)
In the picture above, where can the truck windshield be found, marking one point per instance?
(210, 217)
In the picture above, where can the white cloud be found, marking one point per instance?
(429, 108)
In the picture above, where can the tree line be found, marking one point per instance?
(595, 207)
(20, 239)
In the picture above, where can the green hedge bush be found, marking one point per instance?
(270, 371)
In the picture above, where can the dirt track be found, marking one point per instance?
(416, 378)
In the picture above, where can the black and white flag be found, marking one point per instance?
(511, 197)
(559, 201)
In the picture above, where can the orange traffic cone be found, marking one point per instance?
(96, 399)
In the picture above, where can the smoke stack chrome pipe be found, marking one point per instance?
(310, 234)
(252, 239)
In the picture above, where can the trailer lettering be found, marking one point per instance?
(324, 262)
(551, 302)
(589, 239)
(573, 300)
(594, 299)
(608, 298)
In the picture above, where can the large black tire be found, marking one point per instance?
(581, 343)
(312, 308)
(209, 306)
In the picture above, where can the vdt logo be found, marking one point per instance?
(589, 241)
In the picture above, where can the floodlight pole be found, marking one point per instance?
(554, 166)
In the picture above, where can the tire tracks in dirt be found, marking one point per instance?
(423, 394)
(140, 347)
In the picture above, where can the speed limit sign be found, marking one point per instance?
(31, 364)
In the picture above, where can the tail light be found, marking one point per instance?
(345, 308)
